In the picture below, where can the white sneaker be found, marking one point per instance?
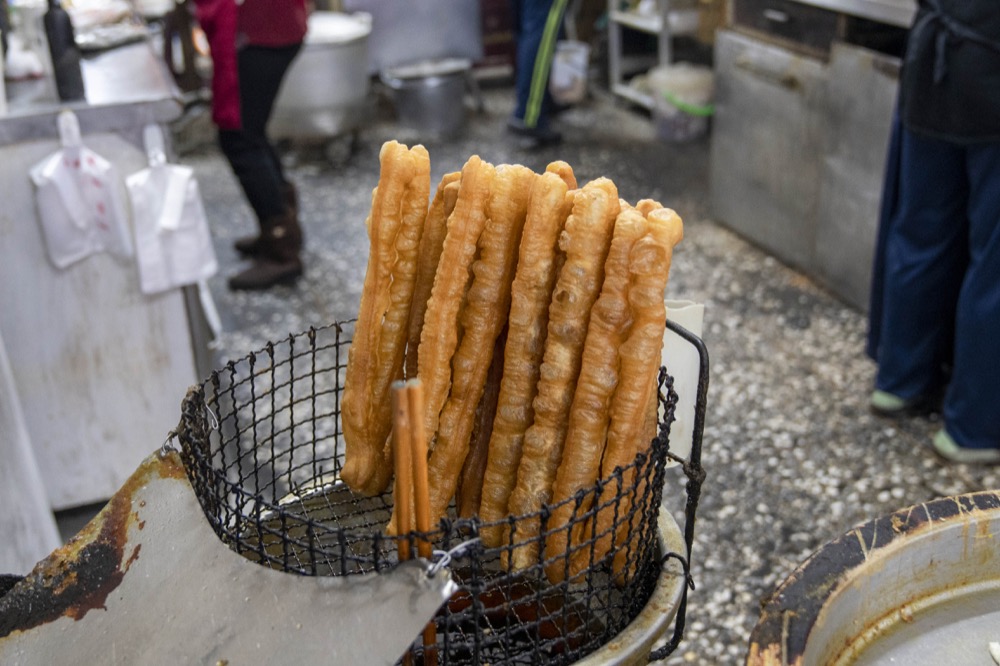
(948, 448)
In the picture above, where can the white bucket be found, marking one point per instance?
(568, 79)
(682, 95)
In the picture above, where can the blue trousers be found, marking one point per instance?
(940, 291)
(537, 24)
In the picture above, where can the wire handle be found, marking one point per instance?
(696, 476)
(444, 557)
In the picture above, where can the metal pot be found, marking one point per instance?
(919, 587)
(325, 91)
(430, 96)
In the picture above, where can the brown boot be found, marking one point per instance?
(278, 261)
(265, 273)
(252, 246)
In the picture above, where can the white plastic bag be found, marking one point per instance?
(173, 243)
(78, 200)
(568, 78)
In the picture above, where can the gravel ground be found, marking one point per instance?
(793, 457)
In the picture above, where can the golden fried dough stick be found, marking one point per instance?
(531, 292)
(558, 543)
(431, 241)
(364, 449)
(586, 240)
(640, 361)
(626, 542)
(470, 486)
(392, 340)
(439, 336)
(483, 317)
(564, 171)
(589, 416)
(647, 206)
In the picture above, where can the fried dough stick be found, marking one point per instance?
(531, 292)
(640, 361)
(647, 206)
(483, 317)
(439, 336)
(392, 342)
(626, 556)
(564, 171)
(431, 242)
(585, 240)
(590, 414)
(470, 487)
(626, 540)
(367, 465)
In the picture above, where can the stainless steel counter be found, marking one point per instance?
(893, 12)
(126, 87)
(798, 153)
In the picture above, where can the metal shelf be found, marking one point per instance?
(666, 24)
(632, 95)
(650, 24)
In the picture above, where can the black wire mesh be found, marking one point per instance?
(263, 449)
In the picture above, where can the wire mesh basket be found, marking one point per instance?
(263, 449)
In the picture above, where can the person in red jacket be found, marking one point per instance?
(253, 43)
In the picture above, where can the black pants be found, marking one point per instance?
(250, 153)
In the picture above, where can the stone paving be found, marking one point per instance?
(792, 454)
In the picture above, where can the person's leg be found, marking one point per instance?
(539, 100)
(925, 258)
(276, 250)
(972, 403)
(253, 159)
(887, 208)
(539, 24)
(529, 22)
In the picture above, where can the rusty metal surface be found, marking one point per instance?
(862, 588)
(148, 582)
(78, 577)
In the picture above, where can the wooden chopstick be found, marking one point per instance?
(402, 449)
(409, 445)
(418, 448)
(422, 505)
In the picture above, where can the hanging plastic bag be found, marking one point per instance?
(173, 243)
(79, 203)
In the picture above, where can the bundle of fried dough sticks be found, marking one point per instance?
(532, 311)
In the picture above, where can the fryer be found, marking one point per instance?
(261, 442)
(260, 445)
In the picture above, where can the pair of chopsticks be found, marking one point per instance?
(409, 444)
